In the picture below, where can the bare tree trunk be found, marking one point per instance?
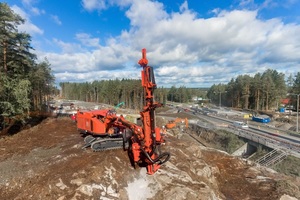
(247, 98)
(257, 100)
(267, 102)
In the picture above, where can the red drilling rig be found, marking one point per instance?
(104, 130)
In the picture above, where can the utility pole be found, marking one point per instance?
(297, 112)
(220, 98)
(220, 104)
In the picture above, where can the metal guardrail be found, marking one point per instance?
(281, 148)
(272, 158)
(287, 147)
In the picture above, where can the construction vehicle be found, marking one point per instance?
(120, 104)
(105, 130)
(173, 123)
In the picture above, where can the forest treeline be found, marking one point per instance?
(27, 84)
(129, 91)
(263, 91)
(24, 82)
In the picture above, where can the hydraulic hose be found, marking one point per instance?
(158, 159)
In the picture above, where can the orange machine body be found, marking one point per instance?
(95, 122)
(175, 122)
(152, 139)
(142, 142)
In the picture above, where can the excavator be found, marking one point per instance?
(105, 130)
(120, 104)
(173, 123)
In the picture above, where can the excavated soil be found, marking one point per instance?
(47, 162)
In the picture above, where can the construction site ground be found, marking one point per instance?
(47, 162)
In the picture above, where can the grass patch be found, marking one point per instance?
(222, 140)
(289, 166)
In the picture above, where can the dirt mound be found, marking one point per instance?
(47, 162)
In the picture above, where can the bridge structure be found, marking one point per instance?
(282, 145)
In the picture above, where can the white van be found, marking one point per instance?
(240, 124)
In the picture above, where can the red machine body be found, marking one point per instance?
(90, 121)
(96, 122)
(152, 137)
(105, 130)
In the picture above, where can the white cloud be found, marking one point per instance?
(74, 58)
(28, 26)
(184, 6)
(91, 5)
(246, 2)
(36, 11)
(86, 40)
(138, 17)
(56, 19)
(68, 48)
(28, 2)
(96, 75)
(182, 47)
(269, 4)
(29, 5)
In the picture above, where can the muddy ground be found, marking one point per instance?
(47, 162)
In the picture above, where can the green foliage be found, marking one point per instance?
(14, 99)
(42, 81)
(20, 92)
(113, 92)
(289, 166)
(180, 95)
(296, 84)
(107, 91)
(23, 82)
(217, 93)
(6, 108)
(228, 141)
(223, 140)
(161, 95)
(261, 92)
(288, 187)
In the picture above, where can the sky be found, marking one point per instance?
(191, 43)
